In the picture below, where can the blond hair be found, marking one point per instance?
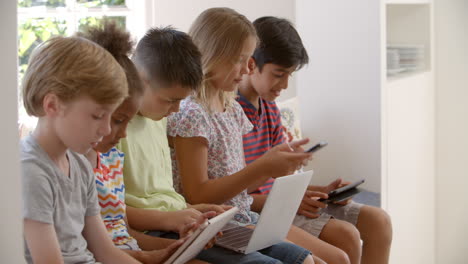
(220, 34)
(70, 67)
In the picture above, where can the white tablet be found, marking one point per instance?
(197, 241)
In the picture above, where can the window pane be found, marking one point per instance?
(48, 3)
(93, 21)
(98, 3)
(34, 31)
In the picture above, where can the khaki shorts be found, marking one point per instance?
(348, 213)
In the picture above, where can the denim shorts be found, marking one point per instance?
(283, 252)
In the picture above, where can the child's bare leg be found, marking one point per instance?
(321, 249)
(375, 227)
(345, 236)
(318, 260)
(309, 260)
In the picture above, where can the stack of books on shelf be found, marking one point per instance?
(404, 58)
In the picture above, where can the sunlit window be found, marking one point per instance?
(38, 20)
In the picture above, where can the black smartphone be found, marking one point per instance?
(317, 147)
(344, 192)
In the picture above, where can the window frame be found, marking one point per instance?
(71, 14)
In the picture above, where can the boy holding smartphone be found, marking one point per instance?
(279, 54)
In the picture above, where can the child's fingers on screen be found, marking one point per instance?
(316, 194)
(297, 143)
(207, 215)
(226, 207)
(313, 203)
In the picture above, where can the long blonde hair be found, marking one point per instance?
(220, 34)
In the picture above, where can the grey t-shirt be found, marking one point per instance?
(51, 197)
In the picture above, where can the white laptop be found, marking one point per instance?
(275, 220)
(197, 241)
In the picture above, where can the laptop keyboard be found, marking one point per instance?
(234, 236)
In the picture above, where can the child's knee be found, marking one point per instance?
(381, 218)
(379, 224)
(384, 224)
(350, 234)
(309, 260)
(340, 257)
(344, 231)
(318, 260)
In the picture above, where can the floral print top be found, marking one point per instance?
(223, 131)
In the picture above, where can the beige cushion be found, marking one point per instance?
(290, 117)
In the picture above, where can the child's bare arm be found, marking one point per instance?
(100, 244)
(155, 256)
(152, 219)
(147, 242)
(42, 242)
(192, 156)
(258, 202)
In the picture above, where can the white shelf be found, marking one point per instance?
(408, 2)
(410, 25)
(405, 75)
(382, 128)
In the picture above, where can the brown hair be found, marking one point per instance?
(70, 67)
(220, 34)
(169, 57)
(280, 44)
(118, 42)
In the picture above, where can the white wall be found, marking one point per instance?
(339, 91)
(451, 67)
(11, 244)
(181, 14)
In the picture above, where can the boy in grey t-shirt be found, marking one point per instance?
(72, 85)
(51, 197)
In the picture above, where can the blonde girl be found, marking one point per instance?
(206, 134)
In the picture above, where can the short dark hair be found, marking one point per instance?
(169, 57)
(279, 43)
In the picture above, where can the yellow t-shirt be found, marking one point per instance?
(147, 169)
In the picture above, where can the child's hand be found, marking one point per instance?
(161, 255)
(211, 207)
(297, 148)
(181, 218)
(310, 206)
(284, 159)
(342, 184)
(338, 183)
(189, 228)
(212, 242)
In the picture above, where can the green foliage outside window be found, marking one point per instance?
(98, 3)
(61, 3)
(47, 3)
(120, 21)
(34, 31)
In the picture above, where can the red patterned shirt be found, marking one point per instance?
(267, 133)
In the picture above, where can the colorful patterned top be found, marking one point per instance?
(223, 131)
(267, 132)
(111, 195)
